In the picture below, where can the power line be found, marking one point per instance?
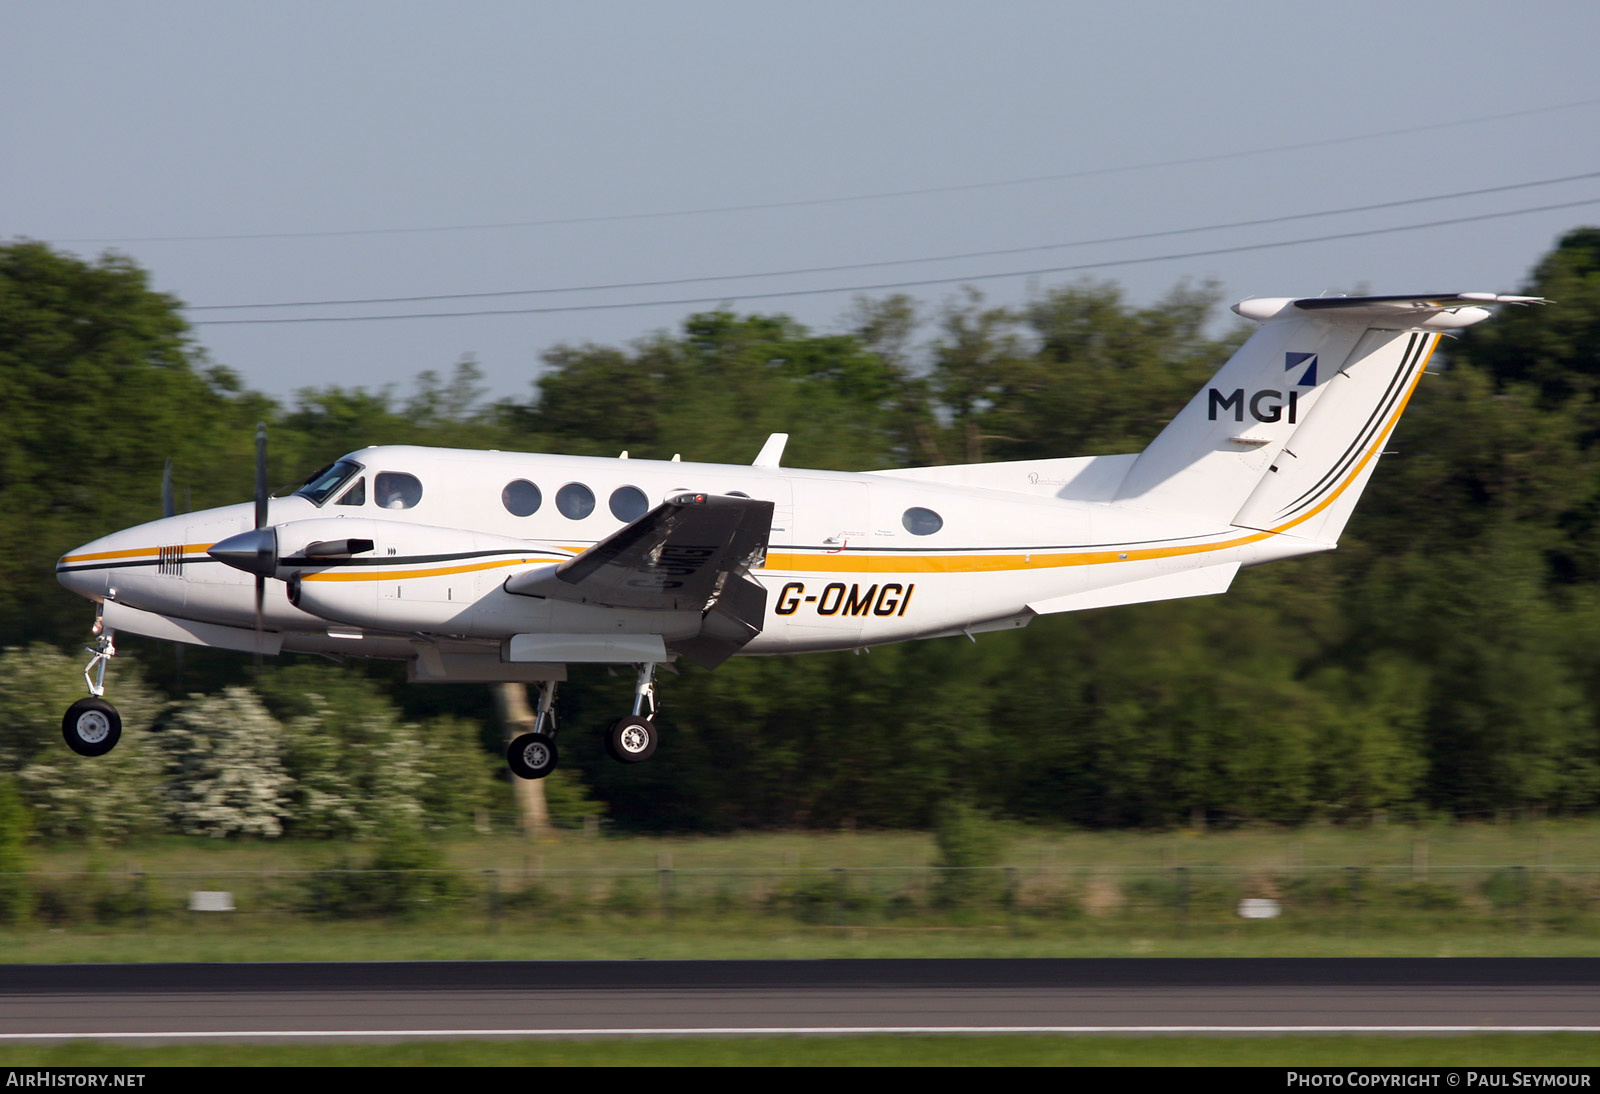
(923, 283)
(884, 195)
(1034, 248)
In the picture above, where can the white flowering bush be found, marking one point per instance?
(360, 769)
(354, 772)
(106, 798)
(222, 759)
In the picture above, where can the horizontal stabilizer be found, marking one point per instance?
(1423, 311)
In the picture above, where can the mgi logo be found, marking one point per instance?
(1266, 405)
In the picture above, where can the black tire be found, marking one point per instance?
(631, 740)
(532, 756)
(607, 743)
(91, 727)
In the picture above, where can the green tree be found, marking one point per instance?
(99, 385)
(358, 767)
(716, 391)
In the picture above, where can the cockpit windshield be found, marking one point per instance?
(323, 483)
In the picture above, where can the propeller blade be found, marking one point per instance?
(169, 508)
(261, 595)
(261, 476)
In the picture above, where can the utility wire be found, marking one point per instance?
(910, 284)
(897, 261)
(1090, 172)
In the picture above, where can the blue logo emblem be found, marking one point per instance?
(1292, 361)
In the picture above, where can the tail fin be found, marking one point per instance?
(1286, 434)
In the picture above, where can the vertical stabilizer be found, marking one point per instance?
(1312, 485)
(1287, 433)
(1211, 456)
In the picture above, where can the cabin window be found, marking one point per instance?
(628, 503)
(921, 522)
(521, 498)
(397, 490)
(575, 501)
(322, 484)
(356, 495)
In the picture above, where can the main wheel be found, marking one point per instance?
(92, 727)
(631, 740)
(532, 756)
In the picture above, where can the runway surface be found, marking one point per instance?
(376, 1001)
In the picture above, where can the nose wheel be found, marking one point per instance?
(91, 727)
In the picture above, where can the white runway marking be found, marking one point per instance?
(773, 1031)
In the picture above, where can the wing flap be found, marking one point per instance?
(677, 557)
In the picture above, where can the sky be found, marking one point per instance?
(604, 159)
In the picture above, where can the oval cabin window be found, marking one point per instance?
(575, 501)
(521, 498)
(628, 503)
(921, 522)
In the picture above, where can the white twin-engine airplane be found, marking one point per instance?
(499, 566)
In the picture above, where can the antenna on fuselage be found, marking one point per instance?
(771, 453)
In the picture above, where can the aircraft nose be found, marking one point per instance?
(84, 570)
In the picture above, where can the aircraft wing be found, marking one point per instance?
(692, 552)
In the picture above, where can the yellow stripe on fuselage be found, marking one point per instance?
(400, 575)
(133, 552)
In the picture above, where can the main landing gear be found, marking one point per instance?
(92, 726)
(630, 740)
(633, 739)
(533, 755)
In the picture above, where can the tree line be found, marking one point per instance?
(1443, 660)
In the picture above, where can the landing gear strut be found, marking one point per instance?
(92, 726)
(533, 755)
(629, 740)
(633, 739)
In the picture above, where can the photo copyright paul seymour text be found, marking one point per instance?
(1463, 1078)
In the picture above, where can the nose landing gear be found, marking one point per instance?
(92, 726)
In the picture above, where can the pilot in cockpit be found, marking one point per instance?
(397, 490)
